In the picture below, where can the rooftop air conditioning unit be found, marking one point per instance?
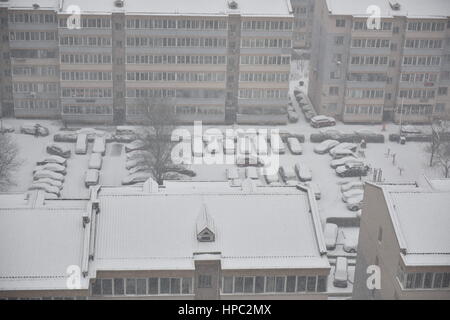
(36, 6)
(394, 5)
(232, 5)
(119, 3)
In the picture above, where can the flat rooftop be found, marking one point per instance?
(409, 8)
(167, 7)
(422, 222)
(264, 229)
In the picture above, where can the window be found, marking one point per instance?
(259, 284)
(131, 286)
(334, 91)
(164, 285)
(227, 285)
(205, 281)
(380, 234)
(340, 23)
(442, 91)
(290, 284)
(248, 284)
(301, 284)
(118, 287)
(239, 284)
(339, 40)
(311, 284)
(186, 286)
(153, 286)
(279, 284)
(141, 286)
(107, 287)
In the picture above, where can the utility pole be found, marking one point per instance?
(401, 119)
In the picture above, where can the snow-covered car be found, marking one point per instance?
(252, 173)
(99, 145)
(140, 168)
(347, 145)
(343, 161)
(292, 116)
(95, 161)
(330, 234)
(261, 145)
(350, 243)
(277, 145)
(33, 129)
(351, 194)
(138, 154)
(288, 175)
(314, 187)
(338, 153)
(355, 203)
(45, 187)
(126, 130)
(303, 172)
(53, 159)
(340, 273)
(409, 129)
(139, 177)
(4, 128)
(322, 121)
(325, 146)
(92, 178)
(229, 146)
(48, 174)
(59, 150)
(135, 145)
(248, 161)
(294, 146)
(81, 145)
(352, 170)
(232, 173)
(352, 185)
(245, 146)
(54, 183)
(52, 167)
(271, 178)
(135, 162)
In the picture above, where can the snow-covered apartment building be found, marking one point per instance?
(405, 232)
(365, 75)
(99, 61)
(303, 23)
(182, 240)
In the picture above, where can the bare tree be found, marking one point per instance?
(443, 158)
(160, 122)
(440, 131)
(9, 161)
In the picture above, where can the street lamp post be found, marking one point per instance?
(401, 118)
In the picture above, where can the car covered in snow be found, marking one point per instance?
(48, 174)
(343, 161)
(338, 153)
(351, 194)
(347, 146)
(330, 234)
(249, 161)
(355, 203)
(277, 145)
(322, 121)
(229, 146)
(52, 167)
(95, 161)
(325, 146)
(352, 185)
(4, 128)
(341, 273)
(139, 177)
(140, 168)
(294, 146)
(99, 145)
(45, 187)
(292, 116)
(33, 129)
(54, 183)
(135, 145)
(92, 178)
(52, 159)
(138, 154)
(350, 243)
(303, 172)
(288, 175)
(251, 173)
(59, 150)
(135, 162)
(272, 178)
(353, 170)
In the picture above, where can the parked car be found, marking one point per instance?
(351, 194)
(140, 168)
(355, 203)
(48, 174)
(252, 173)
(138, 154)
(322, 121)
(277, 145)
(352, 185)
(197, 147)
(81, 145)
(330, 234)
(294, 146)
(53, 159)
(126, 130)
(350, 243)
(99, 145)
(288, 175)
(340, 273)
(409, 129)
(271, 178)
(229, 146)
(4, 128)
(303, 172)
(347, 145)
(292, 116)
(338, 153)
(232, 173)
(92, 178)
(59, 150)
(95, 161)
(52, 167)
(261, 145)
(45, 187)
(135, 145)
(353, 170)
(245, 146)
(31, 129)
(343, 161)
(135, 162)
(314, 187)
(139, 177)
(248, 161)
(54, 183)
(325, 146)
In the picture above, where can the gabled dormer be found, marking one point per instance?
(205, 229)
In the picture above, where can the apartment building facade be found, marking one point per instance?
(303, 23)
(404, 231)
(104, 63)
(179, 241)
(392, 66)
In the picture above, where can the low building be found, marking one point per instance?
(183, 240)
(405, 232)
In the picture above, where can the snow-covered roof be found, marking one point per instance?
(167, 7)
(264, 229)
(409, 8)
(422, 222)
(439, 184)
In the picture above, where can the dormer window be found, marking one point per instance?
(205, 226)
(206, 236)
